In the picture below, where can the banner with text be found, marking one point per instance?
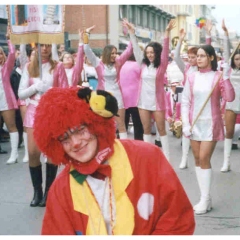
(36, 23)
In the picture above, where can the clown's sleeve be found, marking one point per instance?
(56, 220)
(176, 216)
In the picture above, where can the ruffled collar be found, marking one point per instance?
(205, 70)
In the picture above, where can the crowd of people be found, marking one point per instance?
(75, 108)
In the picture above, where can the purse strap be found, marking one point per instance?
(205, 103)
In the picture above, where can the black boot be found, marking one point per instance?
(51, 172)
(2, 151)
(36, 176)
(158, 143)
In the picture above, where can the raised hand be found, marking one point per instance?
(8, 33)
(182, 34)
(171, 25)
(128, 25)
(224, 28)
(88, 30)
(80, 33)
(208, 26)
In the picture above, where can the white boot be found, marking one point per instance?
(147, 138)
(227, 153)
(204, 177)
(197, 170)
(123, 135)
(165, 146)
(14, 148)
(25, 158)
(185, 150)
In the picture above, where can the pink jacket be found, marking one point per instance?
(129, 82)
(6, 72)
(225, 90)
(78, 67)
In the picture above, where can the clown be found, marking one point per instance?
(108, 186)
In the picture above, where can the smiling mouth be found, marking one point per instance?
(80, 149)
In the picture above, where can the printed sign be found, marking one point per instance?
(36, 23)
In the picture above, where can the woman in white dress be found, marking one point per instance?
(8, 102)
(232, 108)
(187, 69)
(208, 128)
(108, 71)
(33, 87)
(151, 95)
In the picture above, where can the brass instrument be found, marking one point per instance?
(184, 46)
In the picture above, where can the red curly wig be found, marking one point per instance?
(60, 109)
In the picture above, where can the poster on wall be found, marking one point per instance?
(42, 24)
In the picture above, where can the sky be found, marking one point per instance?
(231, 15)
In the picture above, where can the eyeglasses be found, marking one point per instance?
(80, 131)
(201, 56)
(45, 45)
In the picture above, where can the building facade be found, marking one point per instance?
(150, 22)
(3, 26)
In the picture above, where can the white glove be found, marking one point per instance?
(226, 70)
(186, 131)
(41, 86)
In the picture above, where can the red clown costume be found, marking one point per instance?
(141, 195)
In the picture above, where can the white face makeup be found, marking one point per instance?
(79, 144)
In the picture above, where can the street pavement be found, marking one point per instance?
(16, 192)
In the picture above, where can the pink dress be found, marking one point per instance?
(57, 78)
(7, 98)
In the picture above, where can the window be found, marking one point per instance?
(157, 23)
(145, 18)
(190, 9)
(152, 20)
(123, 12)
(132, 14)
(190, 33)
(139, 16)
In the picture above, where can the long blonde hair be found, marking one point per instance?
(4, 56)
(33, 67)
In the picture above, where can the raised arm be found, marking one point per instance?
(11, 54)
(226, 51)
(177, 57)
(23, 59)
(55, 52)
(78, 67)
(164, 54)
(208, 28)
(138, 53)
(87, 49)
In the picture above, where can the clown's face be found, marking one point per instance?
(79, 144)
